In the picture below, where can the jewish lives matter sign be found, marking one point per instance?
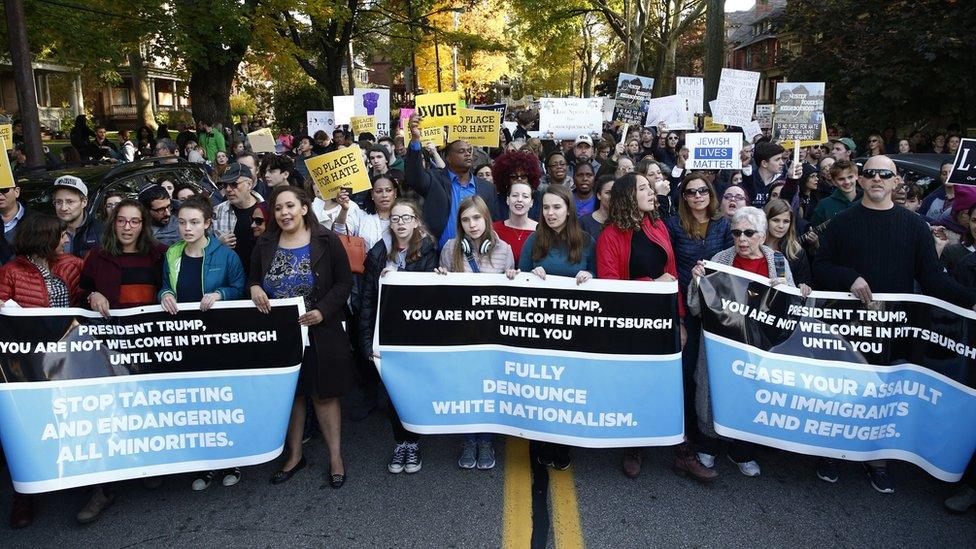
(829, 376)
(714, 151)
(87, 400)
(594, 365)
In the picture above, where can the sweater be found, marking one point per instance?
(497, 260)
(222, 271)
(891, 249)
(22, 282)
(103, 273)
(557, 262)
(832, 205)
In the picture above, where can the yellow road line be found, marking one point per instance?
(517, 519)
(565, 510)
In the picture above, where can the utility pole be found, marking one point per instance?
(714, 47)
(437, 61)
(20, 58)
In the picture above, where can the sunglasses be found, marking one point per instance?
(700, 191)
(230, 184)
(736, 233)
(735, 197)
(519, 177)
(7, 190)
(257, 221)
(870, 173)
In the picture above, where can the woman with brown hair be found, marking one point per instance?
(297, 257)
(781, 237)
(876, 145)
(412, 250)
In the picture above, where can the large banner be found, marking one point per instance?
(830, 376)
(87, 400)
(595, 365)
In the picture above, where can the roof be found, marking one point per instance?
(745, 20)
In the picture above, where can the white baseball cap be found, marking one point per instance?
(583, 138)
(71, 182)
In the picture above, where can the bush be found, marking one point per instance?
(242, 103)
(289, 104)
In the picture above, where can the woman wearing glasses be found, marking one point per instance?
(749, 254)
(411, 249)
(697, 233)
(734, 198)
(876, 145)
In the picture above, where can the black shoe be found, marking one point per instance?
(362, 411)
(284, 476)
(336, 481)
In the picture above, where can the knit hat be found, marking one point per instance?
(965, 199)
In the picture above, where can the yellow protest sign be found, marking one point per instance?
(338, 169)
(7, 134)
(6, 172)
(788, 144)
(480, 128)
(711, 126)
(435, 135)
(439, 109)
(262, 141)
(362, 124)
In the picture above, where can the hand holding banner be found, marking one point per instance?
(337, 169)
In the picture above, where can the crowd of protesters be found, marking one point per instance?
(604, 206)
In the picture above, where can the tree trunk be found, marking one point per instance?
(351, 70)
(210, 91)
(664, 71)
(144, 110)
(20, 59)
(714, 47)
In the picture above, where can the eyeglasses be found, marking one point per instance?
(734, 197)
(519, 177)
(872, 140)
(406, 218)
(257, 221)
(230, 184)
(162, 209)
(673, 138)
(736, 233)
(700, 191)
(870, 173)
(122, 222)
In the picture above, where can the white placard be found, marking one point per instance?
(714, 151)
(669, 113)
(374, 102)
(751, 130)
(608, 104)
(736, 97)
(764, 115)
(320, 120)
(344, 110)
(692, 89)
(570, 117)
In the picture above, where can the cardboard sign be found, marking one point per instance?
(405, 114)
(714, 151)
(363, 124)
(373, 102)
(692, 89)
(439, 109)
(436, 135)
(320, 121)
(799, 110)
(7, 134)
(751, 130)
(809, 143)
(337, 169)
(964, 166)
(670, 113)
(764, 115)
(478, 127)
(6, 172)
(344, 109)
(262, 141)
(736, 97)
(633, 93)
(571, 117)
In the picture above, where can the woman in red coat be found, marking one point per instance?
(636, 245)
(41, 275)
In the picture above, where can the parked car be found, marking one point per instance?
(130, 177)
(921, 169)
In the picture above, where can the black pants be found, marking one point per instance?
(549, 451)
(400, 433)
(689, 361)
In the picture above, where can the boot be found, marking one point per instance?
(99, 501)
(686, 462)
(631, 462)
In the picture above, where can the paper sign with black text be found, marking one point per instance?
(736, 97)
(478, 127)
(714, 151)
(964, 166)
(439, 109)
(692, 89)
(335, 170)
(764, 115)
(669, 113)
(363, 124)
(570, 117)
(799, 110)
(320, 121)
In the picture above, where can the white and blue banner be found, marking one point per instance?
(594, 365)
(87, 400)
(829, 376)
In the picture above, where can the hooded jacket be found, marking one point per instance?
(222, 271)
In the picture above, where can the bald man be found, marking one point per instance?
(877, 247)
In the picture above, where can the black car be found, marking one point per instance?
(130, 178)
(920, 169)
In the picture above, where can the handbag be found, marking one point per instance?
(356, 251)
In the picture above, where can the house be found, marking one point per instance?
(58, 89)
(756, 42)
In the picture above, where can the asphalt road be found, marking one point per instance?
(443, 506)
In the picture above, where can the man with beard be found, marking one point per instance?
(70, 201)
(165, 226)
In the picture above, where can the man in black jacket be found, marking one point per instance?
(444, 189)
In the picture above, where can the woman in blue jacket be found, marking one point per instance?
(201, 269)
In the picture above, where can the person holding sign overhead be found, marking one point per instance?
(444, 189)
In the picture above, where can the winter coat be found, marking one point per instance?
(22, 282)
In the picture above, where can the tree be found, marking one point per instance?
(715, 47)
(676, 18)
(885, 68)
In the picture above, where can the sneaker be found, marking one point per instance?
(231, 476)
(486, 455)
(880, 479)
(961, 501)
(561, 463)
(708, 460)
(827, 470)
(98, 502)
(399, 458)
(748, 468)
(412, 462)
(203, 481)
(469, 457)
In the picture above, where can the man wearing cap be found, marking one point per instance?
(843, 149)
(232, 218)
(70, 199)
(583, 151)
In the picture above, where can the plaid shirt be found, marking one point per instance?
(57, 290)
(225, 217)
